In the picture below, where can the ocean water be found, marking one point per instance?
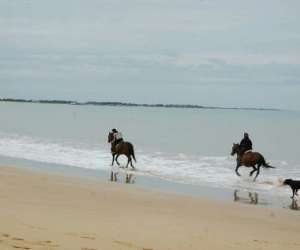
(186, 146)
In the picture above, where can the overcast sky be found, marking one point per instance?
(208, 52)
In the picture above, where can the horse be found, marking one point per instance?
(122, 148)
(249, 159)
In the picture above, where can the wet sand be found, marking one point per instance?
(48, 211)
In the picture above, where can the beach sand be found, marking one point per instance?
(47, 211)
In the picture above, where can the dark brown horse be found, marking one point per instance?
(123, 148)
(249, 159)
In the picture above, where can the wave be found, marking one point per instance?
(212, 171)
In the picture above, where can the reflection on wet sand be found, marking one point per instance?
(113, 176)
(130, 179)
(294, 205)
(122, 177)
(251, 199)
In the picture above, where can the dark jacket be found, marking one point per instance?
(246, 144)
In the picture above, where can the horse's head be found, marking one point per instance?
(110, 137)
(235, 149)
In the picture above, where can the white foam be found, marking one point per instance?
(217, 171)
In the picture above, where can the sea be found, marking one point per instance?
(182, 150)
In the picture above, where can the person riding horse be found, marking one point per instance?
(120, 147)
(117, 138)
(245, 145)
(247, 158)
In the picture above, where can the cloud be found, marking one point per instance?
(149, 43)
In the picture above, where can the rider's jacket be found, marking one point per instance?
(246, 144)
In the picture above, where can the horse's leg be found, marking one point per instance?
(257, 171)
(129, 160)
(254, 169)
(117, 160)
(236, 170)
(131, 163)
(113, 159)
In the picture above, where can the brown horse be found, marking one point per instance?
(249, 159)
(123, 148)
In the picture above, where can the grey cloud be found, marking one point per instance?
(185, 50)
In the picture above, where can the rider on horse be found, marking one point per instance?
(117, 138)
(247, 158)
(120, 147)
(245, 145)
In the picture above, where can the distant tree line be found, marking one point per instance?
(187, 106)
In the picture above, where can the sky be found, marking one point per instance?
(207, 52)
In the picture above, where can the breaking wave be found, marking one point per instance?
(217, 171)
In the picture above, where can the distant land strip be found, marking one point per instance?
(128, 104)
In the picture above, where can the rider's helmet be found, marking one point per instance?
(114, 130)
(246, 134)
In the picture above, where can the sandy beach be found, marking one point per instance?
(46, 211)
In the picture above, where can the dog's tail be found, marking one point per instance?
(265, 164)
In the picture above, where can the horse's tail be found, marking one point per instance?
(131, 151)
(265, 164)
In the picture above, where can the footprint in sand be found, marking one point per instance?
(88, 237)
(17, 239)
(83, 236)
(130, 245)
(20, 247)
(20, 243)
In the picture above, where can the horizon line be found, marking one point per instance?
(131, 104)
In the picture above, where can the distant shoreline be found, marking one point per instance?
(128, 104)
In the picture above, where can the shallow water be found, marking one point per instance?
(177, 145)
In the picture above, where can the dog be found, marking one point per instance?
(295, 186)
